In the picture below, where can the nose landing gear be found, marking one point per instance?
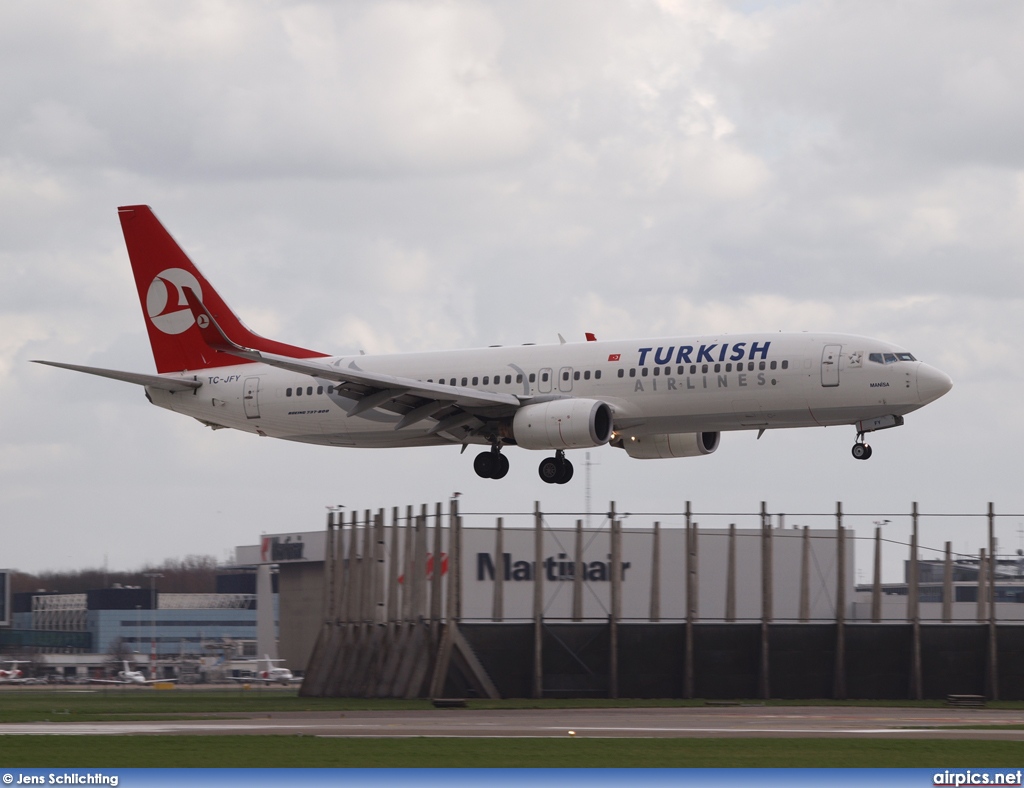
(555, 470)
(861, 451)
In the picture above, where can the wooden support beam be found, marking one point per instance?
(993, 643)
(498, 599)
(839, 691)
(655, 610)
(537, 690)
(766, 601)
(579, 573)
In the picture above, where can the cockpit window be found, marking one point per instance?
(890, 358)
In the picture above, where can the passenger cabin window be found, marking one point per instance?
(597, 374)
(544, 377)
(622, 372)
(287, 392)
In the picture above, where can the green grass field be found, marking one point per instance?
(305, 751)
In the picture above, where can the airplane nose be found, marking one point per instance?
(931, 384)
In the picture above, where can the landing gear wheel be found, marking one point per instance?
(500, 468)
(549, 470)
(484, 464)
(491, 465)
(861, 451)
(555, 470)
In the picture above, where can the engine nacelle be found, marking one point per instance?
(667, 446)
(563, 424)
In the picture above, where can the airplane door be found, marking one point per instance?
(250, 398)
(565, 379)
(544, 381)
(830, 365)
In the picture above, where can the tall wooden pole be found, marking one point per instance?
(498, 604)
(766, 599)
(840, 674)
(330, 570)
(409, 566)
(655, 613)
(691, 570)
(982, 584)
(394, 565)
(730, 576)
(579, 575)
(379, 572)
(616, 612)
(993, 642)
(368, 571)
(947, 585)
(436, 562)
(419, 571)
(352, 578)
(538, 601)
(805, 575)
(876, 583)
(914, 613)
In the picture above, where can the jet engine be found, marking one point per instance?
(666, 446)
(563, 424)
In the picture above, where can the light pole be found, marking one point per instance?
(152, 620)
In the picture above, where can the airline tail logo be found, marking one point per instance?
(165, 300)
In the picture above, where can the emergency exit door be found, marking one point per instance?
(251, 398)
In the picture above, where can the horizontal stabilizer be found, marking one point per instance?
(140, 378)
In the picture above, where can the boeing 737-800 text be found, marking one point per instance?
(653, 398)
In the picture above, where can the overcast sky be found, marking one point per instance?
(430, 175)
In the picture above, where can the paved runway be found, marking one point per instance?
(706, 722)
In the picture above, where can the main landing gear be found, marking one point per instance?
(494, 465)
(555, 470)
(491, 464)
(861, 451)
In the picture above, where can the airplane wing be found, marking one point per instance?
(156, 381)
(453, 407)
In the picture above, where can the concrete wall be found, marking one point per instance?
(301, 590)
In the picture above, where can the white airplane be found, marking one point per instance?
(272, 675)
(129, 676)
(14, 675)
(653, 398)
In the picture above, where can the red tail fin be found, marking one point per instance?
(161, 270)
